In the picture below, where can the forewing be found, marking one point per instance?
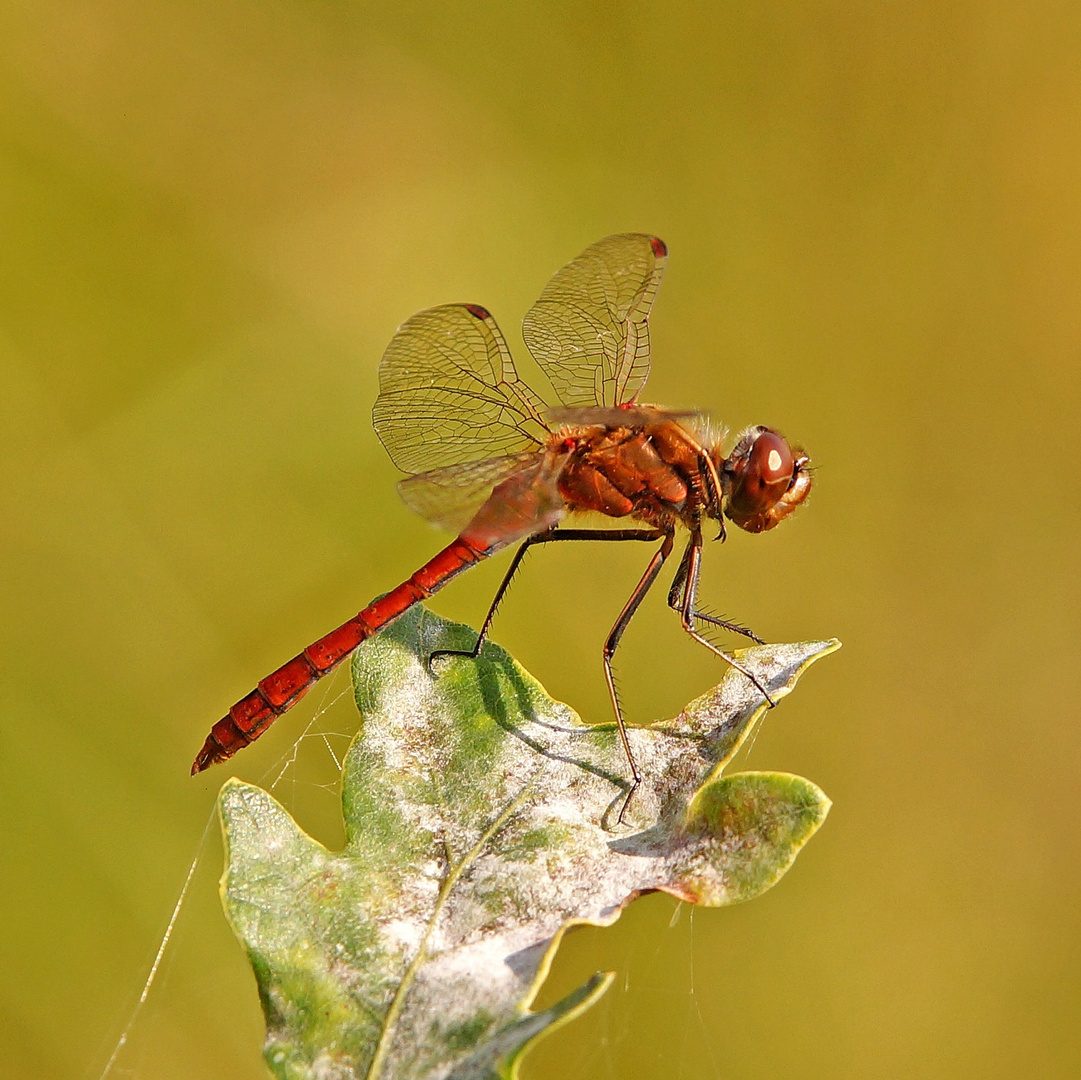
(449, 497)
(449, 393)
(589, 329)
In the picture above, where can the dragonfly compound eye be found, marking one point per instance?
(770, 465)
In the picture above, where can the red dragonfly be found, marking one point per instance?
(489, 458)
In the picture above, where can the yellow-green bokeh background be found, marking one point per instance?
(212, 218)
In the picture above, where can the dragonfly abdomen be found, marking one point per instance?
(282, 689)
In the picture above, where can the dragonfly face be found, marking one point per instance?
(765, 479)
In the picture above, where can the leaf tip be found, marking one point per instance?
(543, 1023)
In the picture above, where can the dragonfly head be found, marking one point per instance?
(764, 479)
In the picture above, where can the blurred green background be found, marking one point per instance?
(214, 215)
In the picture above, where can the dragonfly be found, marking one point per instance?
(489, 460)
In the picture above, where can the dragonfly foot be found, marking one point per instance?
(440, 653)
(770, 703)
(627, 801)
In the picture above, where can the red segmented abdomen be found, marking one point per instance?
(282, 689)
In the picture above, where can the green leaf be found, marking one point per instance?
(481, 822)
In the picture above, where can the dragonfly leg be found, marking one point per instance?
(612, 643)
(687, 576)
(713, 490)
(519, 555)
(547, 537)
(675, 601)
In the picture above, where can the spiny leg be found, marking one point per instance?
(611, 644)
(541, 538)
(693, 560)
(675, 600)
(519, 555)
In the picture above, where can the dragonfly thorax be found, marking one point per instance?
(657, 473)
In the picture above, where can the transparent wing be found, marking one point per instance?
(589, 329)
(526, 503)
(449, 497)
(449, 393)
